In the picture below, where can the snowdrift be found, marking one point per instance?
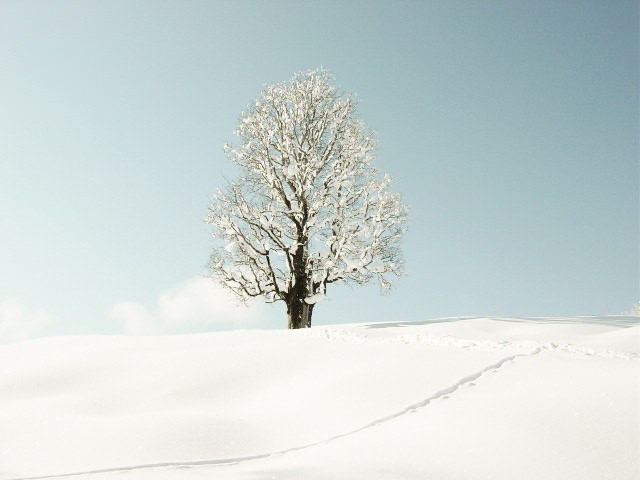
(463, 398)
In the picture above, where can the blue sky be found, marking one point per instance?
(510, 127)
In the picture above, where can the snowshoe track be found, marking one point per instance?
(441, 394)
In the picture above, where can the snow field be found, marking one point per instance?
(465, 398)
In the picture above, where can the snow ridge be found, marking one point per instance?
(470, 344)
(441, 394)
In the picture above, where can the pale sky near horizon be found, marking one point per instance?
(510, 127)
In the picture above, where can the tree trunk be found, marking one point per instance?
(295, 314)
(297, 309)
(307, 312)
(299, 316)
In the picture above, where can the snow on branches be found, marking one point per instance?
(309, 209)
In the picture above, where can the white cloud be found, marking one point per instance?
(195, 306)
(17, 324)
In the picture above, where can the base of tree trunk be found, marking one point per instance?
(299, 318)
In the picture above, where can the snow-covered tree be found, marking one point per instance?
(309, 208)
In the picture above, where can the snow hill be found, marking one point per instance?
(457, 398)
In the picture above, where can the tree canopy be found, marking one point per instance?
(309, 209)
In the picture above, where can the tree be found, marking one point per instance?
(309, 209)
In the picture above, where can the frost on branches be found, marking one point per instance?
(309, 209)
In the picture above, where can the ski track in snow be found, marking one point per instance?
(442, 394)
(534, 346)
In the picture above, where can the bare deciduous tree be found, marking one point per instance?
(309, 209)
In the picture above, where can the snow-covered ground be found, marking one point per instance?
(458, 398)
